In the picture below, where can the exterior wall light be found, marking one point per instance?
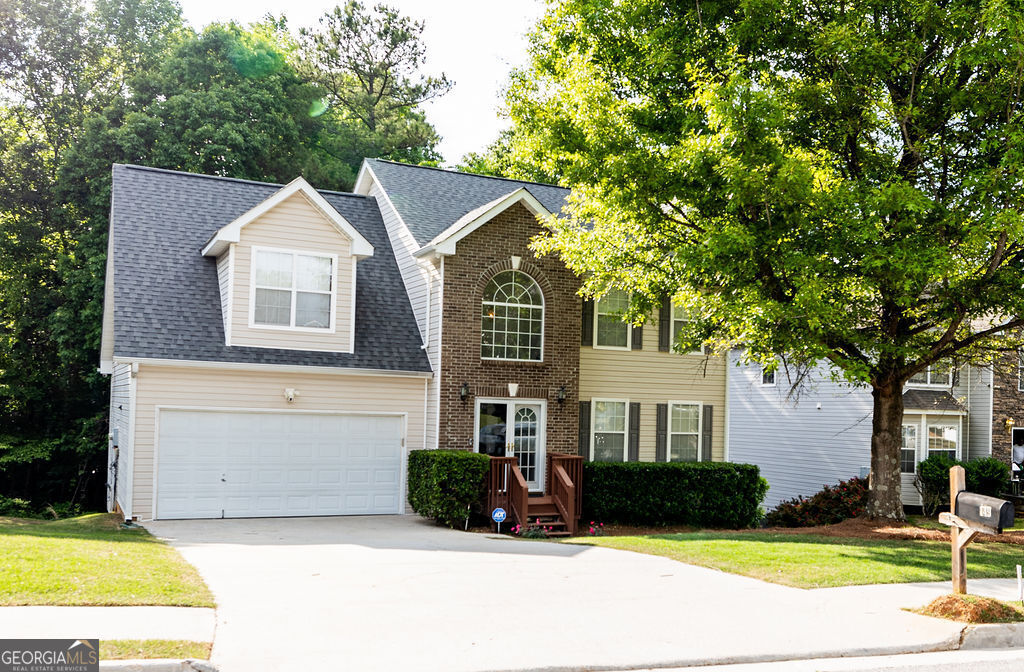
(464, 391)
(561, 395)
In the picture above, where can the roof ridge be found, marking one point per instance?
(460, 172)
(152, 169)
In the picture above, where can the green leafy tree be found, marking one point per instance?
(835, 181)
(368, 65)
(500, 159)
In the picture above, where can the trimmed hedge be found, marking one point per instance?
(445, 484)
(985, 476)
(702, 494)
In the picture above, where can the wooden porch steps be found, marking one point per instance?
(543, 509)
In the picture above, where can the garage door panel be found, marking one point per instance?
(214, 464)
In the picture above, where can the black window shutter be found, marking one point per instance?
(584, 433)
(705, 434)
(638, 337)
(587, 326)
(634, 432)
(665, 325)
(661, 447)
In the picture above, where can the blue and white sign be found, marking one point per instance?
(498, 515)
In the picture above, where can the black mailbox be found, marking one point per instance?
(990, 511)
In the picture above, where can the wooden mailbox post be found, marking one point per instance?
(970, 515)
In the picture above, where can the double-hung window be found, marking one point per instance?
(943, 439)
(609, 431)
(908, 451)
(293, 290)
(609, 328)
(767, 377)
(680, 318)
(684, 433)
(936, 375)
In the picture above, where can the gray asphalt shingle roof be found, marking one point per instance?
(931, 400)
(429, 200)
(166, 296)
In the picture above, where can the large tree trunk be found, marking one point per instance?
(884, 500)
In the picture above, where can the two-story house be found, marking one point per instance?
(277, 350)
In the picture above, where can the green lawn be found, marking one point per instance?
(143, 649)
(92, 560)
(809, 561)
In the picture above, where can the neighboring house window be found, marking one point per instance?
(512, 325)
(292, 289)
(767, 377)
(610, 329)
(937, 375)
(943, 440)
(684, 433)
(680, 317)
(1020, 367)
(609, 444)
(908, 453)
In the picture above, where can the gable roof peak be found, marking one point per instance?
(231, 232)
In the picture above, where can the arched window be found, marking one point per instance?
(513, 318)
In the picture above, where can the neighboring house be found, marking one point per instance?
(1008, 408)
(820, 433)
(275, 350)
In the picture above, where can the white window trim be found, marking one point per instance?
(629, 332)
(917, 447)
(542, 432)
(254, 250)
(930, 384)
(672, 331)
(763, 372)
(1020, 369)
(593, 426)
(700, 428)
(943, 421)
(543, 321)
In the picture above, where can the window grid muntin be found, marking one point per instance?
(939, 442)
(908, 450)
(609, 320)
(502, 332)
(606, 429)
(687, 429)
(934, 375)
(679, 315)
(291, 286)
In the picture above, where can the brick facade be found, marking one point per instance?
(479, 257)
(1007, 404)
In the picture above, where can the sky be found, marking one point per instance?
(475, 42)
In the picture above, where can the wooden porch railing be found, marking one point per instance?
(563, 493)
(507, 488)
(572, 465)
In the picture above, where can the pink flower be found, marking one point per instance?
(591, 529)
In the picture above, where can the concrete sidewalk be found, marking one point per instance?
(189, 623)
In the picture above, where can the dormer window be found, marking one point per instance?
(293, 290)
(936, 375)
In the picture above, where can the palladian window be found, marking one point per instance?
(512, 325)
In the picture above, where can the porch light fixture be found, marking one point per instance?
(464, 391)
(561, 395)
(1009, 425)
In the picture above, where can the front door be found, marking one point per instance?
(525, 441)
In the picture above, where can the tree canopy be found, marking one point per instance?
(829, 181)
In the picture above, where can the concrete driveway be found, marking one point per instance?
(397, 593)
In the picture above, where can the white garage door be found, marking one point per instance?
(244, 465)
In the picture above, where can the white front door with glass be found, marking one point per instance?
(513, 428)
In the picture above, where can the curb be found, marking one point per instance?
(157, 665)
(993, 636)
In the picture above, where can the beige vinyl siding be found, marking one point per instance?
(422, 281)
(652, 377)
(224, 279)
(120, 418)
(294, 225)
(222, 389)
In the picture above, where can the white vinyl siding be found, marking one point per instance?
(423, 285)
(296, 226)
(120, 420)
(226, 390)
(224, 263)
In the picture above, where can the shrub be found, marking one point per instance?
(932, 482)
(987, 476)
(832, 504)
(702, 494)
(18, 508)
(445, 484)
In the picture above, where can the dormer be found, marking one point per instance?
(287, 273)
